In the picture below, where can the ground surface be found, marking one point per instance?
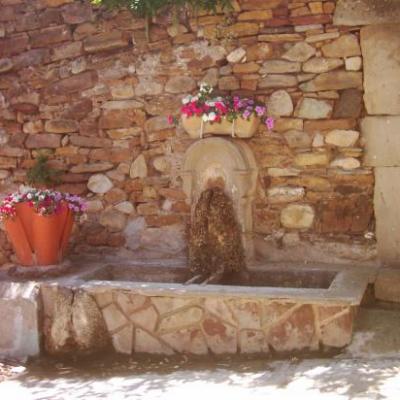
(369, 369)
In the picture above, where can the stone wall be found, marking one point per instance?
(85, 85)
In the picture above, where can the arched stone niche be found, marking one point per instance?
(228, 163)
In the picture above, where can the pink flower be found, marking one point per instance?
(170, 119)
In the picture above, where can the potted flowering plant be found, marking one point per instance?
(39, 223)
(205, 113)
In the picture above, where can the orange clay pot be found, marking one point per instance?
(38, 239)
(19, 240)
(25, 214)
(46, 238)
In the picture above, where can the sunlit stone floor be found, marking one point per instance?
(369, 369)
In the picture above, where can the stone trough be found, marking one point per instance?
(144, 307)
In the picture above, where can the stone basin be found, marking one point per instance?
(145, 307)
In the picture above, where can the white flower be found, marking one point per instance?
(205, 117)
(186, 99)
(210, 103)
(194, 98)
(212, 116)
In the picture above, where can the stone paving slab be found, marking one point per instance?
(368, 370)
(318, 379)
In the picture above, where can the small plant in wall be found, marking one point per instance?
(234, 115)
(148, 9)
(42, 174)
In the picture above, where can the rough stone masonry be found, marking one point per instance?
(84, 85)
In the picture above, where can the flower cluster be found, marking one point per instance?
(213, 109)
(44, 202)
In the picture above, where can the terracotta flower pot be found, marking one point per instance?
(19, 240)
(46, 238)
(25, 214)
(37, 239)
(241, 128)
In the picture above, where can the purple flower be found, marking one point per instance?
(270, 123)
(246, 114)
(260, 110)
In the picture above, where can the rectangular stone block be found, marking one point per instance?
(387, 213)
(365, 12)
(19, 327)
(381, 136)
(387, 285)
(380, 46)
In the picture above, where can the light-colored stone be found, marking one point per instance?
(347, 163)
(146, 318)
(187, 341)
(387, 285)
(123, 340)
(99, 183)
(297, 216)
(310, 108)
(319, 65)
(312, 159)
(236, 55)
(366, 12)
(113, 220)
(279, 67)
(114, 318)
(297, 139)
(19, 328)
(252, 341)
(126, 207)
(162, 164)
(280, 104)
(277, 81)
(382, 141)
(381, 52)
(342, 138)
(334, 80)
(387, 214)
(344, 46)
(277, 172)
(148, 87)
(318, 140)
(94, 206)
(145, 343)
(122, 91)
(285, 194)
(133, 231)
(300, 52)
(166, 240)
(33, 127)
(180, 84)
(353, 63)
(138, 168)
(182, 319)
